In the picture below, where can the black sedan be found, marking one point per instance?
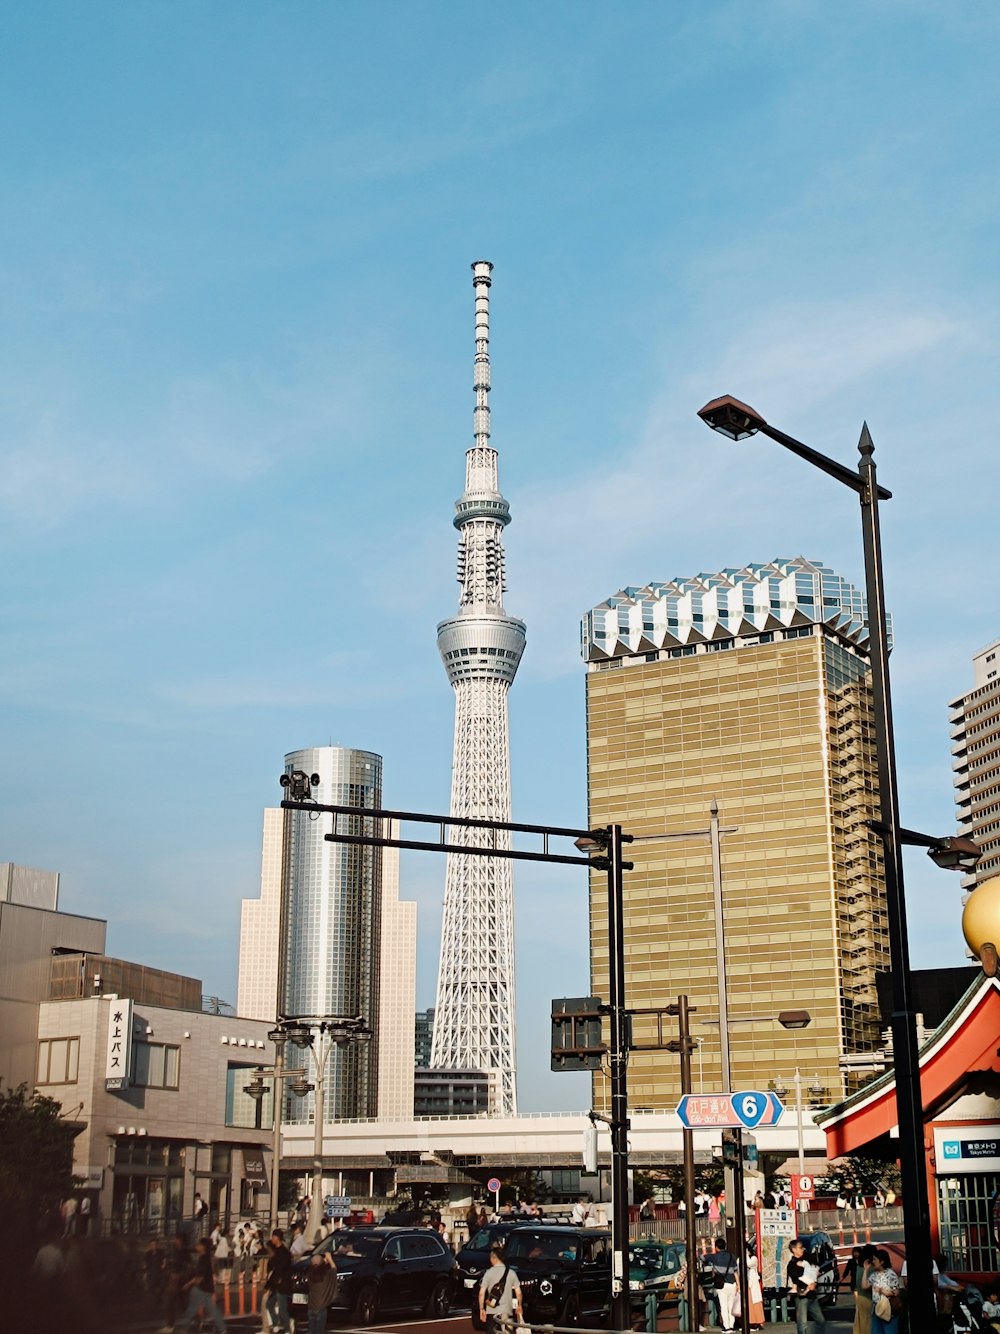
(383, 1269)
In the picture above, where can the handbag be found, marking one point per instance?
(882, 1308)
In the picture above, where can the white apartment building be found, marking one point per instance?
(975, 733)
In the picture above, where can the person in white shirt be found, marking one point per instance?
(299, 1244)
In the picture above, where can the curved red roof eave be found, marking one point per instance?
(966, 1040)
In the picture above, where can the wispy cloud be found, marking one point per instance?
(675, 488)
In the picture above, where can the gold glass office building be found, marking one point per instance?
(749, 687)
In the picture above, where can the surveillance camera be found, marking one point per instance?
(285, 781)
(314, 779)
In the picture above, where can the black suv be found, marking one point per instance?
(383, 1269)
(565, 1273)
(474, 1260)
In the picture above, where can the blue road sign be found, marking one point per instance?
(732, 1111)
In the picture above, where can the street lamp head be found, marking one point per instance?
(299, 1035)
(596, 841)
(301, 1086)
(794, 1018)
(257, 1088)
(955, 854)
(731, 418)
(278, 1036)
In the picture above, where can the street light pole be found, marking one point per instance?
(737, 421)
(735, 1203)
(685, 1043)
(277, 1107)
(320, 1052)
(610, 860)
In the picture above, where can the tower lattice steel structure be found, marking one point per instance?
(481, 647)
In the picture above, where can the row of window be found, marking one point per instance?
(155, 1065)
(710, 646)
(481, 653)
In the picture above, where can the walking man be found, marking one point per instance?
(278, 1282)
(200, 1289)
(499, 1291)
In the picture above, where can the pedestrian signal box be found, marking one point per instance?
(577, 1043)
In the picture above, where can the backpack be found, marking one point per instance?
(495, 1291)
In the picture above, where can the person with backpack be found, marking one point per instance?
(499, 1291)
(721, 1268)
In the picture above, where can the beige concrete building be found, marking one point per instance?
(397, 993)
(975, 733)
(748, 687)
(173, 1120)
(260, 927)
(29, 938)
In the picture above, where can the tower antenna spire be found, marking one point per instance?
(482, 282)
(481, 648)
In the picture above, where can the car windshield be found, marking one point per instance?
(646, 1257)
(525, 1244)
(353, 1245)
(481, 1240)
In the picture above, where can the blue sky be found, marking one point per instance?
(235, 395)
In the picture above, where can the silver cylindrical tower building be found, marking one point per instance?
(332, 927)
(481, 647)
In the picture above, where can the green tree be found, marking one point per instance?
(36, 1158)
(861, 1175)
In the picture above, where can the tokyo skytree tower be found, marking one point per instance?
(481, 647)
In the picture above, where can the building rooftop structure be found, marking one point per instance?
(72, 976)
(749, 602)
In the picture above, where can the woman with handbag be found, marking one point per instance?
(879, 1277)
(499, 1291)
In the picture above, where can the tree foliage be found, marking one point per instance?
(862, 1175)
(36, 1158)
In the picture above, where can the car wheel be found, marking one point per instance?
(439, 1302)
(366, 1306)
(571, 1310)
(477, 1320)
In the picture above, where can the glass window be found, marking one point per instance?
(58, 1061)
(155, 1066)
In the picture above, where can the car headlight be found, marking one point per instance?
(545, 1287)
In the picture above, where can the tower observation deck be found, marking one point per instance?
(481, 647)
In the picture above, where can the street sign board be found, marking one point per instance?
(493, 1184)
(337, 1206)
(777, 1223)
(732, 1111)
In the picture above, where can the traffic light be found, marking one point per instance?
(730, 1148)
(576, 1033)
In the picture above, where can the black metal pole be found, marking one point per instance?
(687, 1136)
(621, 1304)
(736, 1212)
(909, 1102)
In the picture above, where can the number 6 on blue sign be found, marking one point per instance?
(750, 1107)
